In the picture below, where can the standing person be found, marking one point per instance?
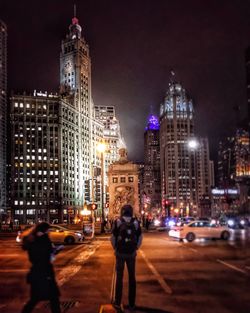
(126, 239)
(11, 226)
(41, 276)
(147, 223)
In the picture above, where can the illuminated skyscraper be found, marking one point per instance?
(151, 196)
(54, 151)
(3, 115)
(184, 158)
(111, 133)
(75, 80)
(112, 138)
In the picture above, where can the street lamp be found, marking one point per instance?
(193, 144)
(85, 211)
(101, 147)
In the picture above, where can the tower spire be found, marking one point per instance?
(74, 10)
(75, 28)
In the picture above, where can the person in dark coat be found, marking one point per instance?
(126, 239)
(147, 223)
(41, 277)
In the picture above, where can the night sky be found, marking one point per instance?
(133, 46)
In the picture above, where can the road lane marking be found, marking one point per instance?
(232, 266)
(113, 283)
(160, 279)
(194, 250)
(69, 271)
(11, 270)
(10, 255)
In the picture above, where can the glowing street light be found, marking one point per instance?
(85, 211)
(101, 147)
(193, 144)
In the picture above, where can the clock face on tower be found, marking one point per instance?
(68, 65)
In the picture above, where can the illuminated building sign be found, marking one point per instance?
(225, 191)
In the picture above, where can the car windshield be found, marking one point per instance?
(199, 224)
(56, 228)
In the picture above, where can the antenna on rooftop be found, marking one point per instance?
(74, 10)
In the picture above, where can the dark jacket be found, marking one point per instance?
(41, 276)
(115, 233)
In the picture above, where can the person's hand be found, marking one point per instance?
(59, 248)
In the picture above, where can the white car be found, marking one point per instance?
(200, 229)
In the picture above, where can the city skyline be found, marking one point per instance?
(133, 50)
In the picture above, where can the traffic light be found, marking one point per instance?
(167, 207)
(93, 206)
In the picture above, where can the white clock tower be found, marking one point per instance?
(75, 80)
(75, 68)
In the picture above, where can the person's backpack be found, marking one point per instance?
(126, 240)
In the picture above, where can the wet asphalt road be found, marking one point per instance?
(172, 276)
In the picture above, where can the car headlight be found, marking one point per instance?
(171, 223)
(157, 222)
(231, 222)
(242, 222)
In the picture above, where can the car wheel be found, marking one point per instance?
(190, 237)
(69, 240)
(225, 235)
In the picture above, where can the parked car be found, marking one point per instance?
(57, 234)
(200, 229)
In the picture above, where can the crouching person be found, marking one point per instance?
(126, 239)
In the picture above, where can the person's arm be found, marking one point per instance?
(114, 235)
(139, 236)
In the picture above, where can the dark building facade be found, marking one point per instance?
(247, 60)
(151, 195)
(234, 171)
(44, 158)
(226, 163)
(3, 117)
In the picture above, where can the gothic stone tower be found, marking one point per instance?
(75, 80)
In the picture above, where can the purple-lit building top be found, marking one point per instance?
(151, 199)
(153, 123)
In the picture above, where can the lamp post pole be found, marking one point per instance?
(193, 145)
(101, 147)
(102, 189)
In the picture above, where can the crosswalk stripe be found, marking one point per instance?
(160, 279)
(232, 266)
